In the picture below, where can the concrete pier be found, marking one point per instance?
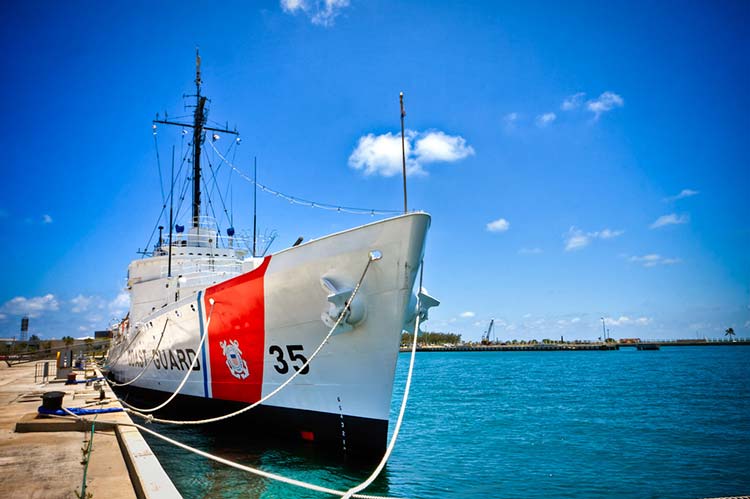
(42, 457)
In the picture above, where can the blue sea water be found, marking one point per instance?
(673, 423)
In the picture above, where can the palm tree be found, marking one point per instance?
(68, 340)
(730, 332)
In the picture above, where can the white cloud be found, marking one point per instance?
(624, 320)
(510, 120)
(607, 233)
(604, 103)
(572, 102)
(381, 154)
(684, 193)
(530, 251)
(545, 119)
(3, 316)
(46, 219)
(499, 225)
(653, 259)
(33, 307)
(576, 239)
(467, 314)
(320, 12)
(437, 146)
(81, 303)
(671, 219)
(120, 304)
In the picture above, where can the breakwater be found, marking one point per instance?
(572, 346)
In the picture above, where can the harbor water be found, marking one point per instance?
(673, 423)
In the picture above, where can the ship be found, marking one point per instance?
(215, 326)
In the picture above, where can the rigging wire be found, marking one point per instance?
(211, 205)
(158, 163)
(305, 202)
(218, 190)
(164, 206)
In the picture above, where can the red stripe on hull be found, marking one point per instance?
(236, 336)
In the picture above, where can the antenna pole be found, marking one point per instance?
(171, 221)
(255, 202)
(403, 148)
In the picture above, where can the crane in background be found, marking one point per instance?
(486, 335)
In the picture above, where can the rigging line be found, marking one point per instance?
(183, 192)
(305, 202)
(218, 189)
(211, 205)
(158, 163)
(230, 190)
(153, 355)
(151, 237)
(164, 206)
(230, 215)
(218, 168)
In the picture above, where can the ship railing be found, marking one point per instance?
(205, 240)
(203, 266)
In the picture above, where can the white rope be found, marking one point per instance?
(351, 492)
(185, 378)
(153, 356)
(139, 330)
(241, 467)
(255, 471)
(281, 386)
(305, 202)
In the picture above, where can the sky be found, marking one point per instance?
(580, 160)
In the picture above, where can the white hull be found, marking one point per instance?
(273, 313)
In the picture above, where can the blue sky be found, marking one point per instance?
(580, 160)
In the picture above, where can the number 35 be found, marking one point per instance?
(281, 366)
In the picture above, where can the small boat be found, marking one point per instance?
(647, 346)
(225, 327)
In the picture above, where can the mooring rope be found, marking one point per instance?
(150, 418)
(350, 493)
(241, 467)
(153, 356)
(138, 410)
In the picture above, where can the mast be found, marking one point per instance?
(199, 128)
(199, 119)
